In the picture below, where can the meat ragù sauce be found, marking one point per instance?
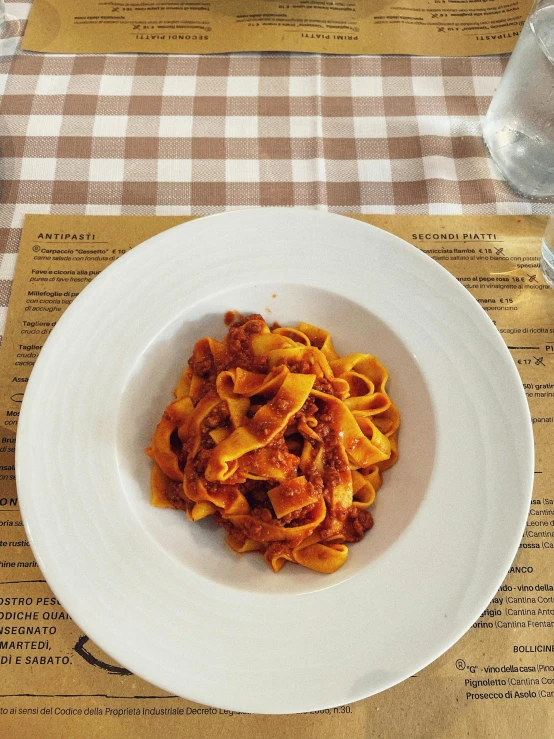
(279, 439)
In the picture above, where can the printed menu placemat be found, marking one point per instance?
(497, 681)
(420, 27)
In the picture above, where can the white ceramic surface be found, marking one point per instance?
(166, 597)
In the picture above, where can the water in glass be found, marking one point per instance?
(519, 126)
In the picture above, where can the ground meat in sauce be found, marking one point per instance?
(218, 416)
(207, 388)
(230, 317)
(239, 349)
(298, 517)
(308, 409)
(358, 521)
(182, 458)
(264, 515)
(173, 495)
(324, 386)
(302, 367)
(202, 367)
(201, 461)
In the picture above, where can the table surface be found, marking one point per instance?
(193, 135)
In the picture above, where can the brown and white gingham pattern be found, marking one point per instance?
(156, 134)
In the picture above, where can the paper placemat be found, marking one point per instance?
(420, 27)
(497, 681)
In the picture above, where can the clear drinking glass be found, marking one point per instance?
(519, 126)
(547, 257)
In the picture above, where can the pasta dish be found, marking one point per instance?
(279, 439)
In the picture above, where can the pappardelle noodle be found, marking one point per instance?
(279, 439)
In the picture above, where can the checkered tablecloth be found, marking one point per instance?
(155, 134)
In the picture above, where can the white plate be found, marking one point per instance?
(166, 597)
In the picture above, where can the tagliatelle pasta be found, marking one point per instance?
(280, 440)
